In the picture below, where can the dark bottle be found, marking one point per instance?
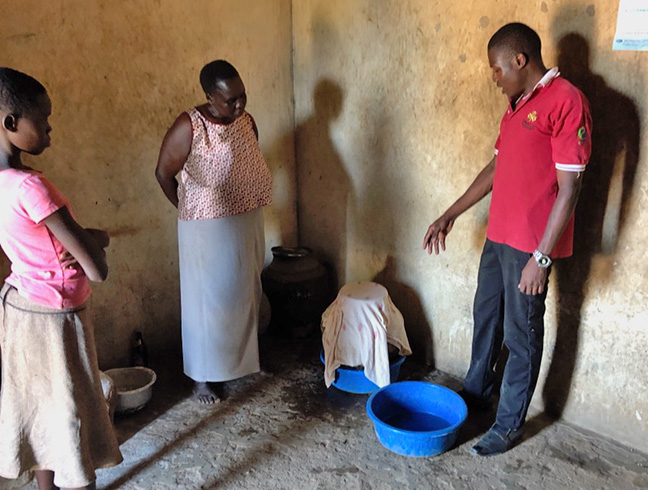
(139, 353)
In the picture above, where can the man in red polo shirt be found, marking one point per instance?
(535, 177)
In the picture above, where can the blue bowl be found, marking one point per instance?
(415, 418)
(355, 381)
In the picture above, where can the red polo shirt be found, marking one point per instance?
(549, 129)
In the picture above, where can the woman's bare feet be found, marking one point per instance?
(45, 481)
(206, 394)
(265, 371)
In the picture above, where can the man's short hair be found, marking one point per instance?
(215, 72)
(18, 92)
(518, 38)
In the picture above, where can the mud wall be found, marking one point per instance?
(396, 114)
(119, 73)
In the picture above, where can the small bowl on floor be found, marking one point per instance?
(110, 393)
(416, 418)
(134, 387)
(355, 381)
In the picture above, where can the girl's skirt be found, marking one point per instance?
(220, 292)
(53, 415)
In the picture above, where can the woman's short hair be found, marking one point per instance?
(215, 72)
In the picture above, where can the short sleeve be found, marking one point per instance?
(39, 198)
(571, 139)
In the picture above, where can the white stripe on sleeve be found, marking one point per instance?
(570, 167)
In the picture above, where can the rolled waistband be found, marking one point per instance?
(10, 296)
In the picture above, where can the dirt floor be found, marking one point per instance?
(289, 432)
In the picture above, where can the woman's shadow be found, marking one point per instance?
(323, 185)
(606, 193)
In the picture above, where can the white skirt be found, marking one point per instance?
(220, 292)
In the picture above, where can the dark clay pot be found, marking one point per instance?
(298, 288)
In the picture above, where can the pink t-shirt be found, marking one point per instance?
(26, 199)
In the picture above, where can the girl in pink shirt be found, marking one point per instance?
(53, 417)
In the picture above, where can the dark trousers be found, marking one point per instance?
(502, 314)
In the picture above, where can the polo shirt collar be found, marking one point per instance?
(546, 79)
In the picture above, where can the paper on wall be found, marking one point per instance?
(632, 26)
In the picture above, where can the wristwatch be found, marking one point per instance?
(541, 259)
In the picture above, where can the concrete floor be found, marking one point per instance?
(289, 432)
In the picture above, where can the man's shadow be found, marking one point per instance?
(607, 188)
(323, 185)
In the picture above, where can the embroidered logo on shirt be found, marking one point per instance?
(582, 135)
(530, 119)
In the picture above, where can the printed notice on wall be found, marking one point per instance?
(632, 26)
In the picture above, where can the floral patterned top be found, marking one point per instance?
(225, 172)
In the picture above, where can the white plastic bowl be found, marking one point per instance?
(134, 387)
(110, 393)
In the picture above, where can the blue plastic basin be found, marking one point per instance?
(355, 381)
(415, 418)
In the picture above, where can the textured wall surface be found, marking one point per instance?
(396, 114)
(118, 74)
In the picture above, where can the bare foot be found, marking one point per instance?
(45, 480)
(265, 371)
(204, 394)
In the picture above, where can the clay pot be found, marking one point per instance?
(298, 288)
(264, 314)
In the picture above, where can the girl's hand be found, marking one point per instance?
(84, 245)
(68, 261)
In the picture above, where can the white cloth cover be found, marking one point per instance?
(356, 329)
(220, 291)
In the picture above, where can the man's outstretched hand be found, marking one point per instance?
(436, 235)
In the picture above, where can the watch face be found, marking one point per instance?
(541, 259)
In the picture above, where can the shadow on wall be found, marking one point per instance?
(377, 220)
(323, 185)
(280, 159)
(406, 299)
(605, 198)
